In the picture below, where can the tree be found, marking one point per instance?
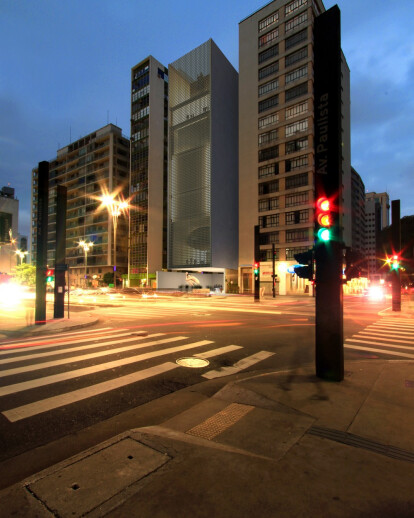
(25, 274)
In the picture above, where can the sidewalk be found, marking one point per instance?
(278, 444)
(275, 444)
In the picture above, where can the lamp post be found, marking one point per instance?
(115, 208)
(86, 247)
(21, 254)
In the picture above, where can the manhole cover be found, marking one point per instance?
(192, 362)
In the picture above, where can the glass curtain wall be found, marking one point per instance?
(189, 210)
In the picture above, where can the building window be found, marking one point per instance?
(269, 70)
(268, 153)
(296, 21)
(296, 145)
(266, 255)
(268, 187)
(268, 170)
(269, 237)
(291, 252)
(295, 39)
(297, 216)
(268, 204)
(273, 118)
(293, 236)
(296, 127)
(269, 37)
(268, 53)
(268, 87)
(267, 138)
(272, 220)
(268, 103)
(268, 21)
(296, 91)
(291, 200)
(296, 56)
(294, 6)
(296, 109)
(296, 163)
(296, 74)
(299, 180)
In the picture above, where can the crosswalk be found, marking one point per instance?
(73, 357)
(391, 336)
(126, 313)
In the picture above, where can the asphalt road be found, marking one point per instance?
(59, 394)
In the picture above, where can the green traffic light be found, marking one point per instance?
(324, 234)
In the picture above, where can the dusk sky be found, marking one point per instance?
(65, 72)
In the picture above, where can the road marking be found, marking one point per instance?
(22, 342)
(91, 356)
(403, 334)
(44, 405)
(378, 337)
(396, 346)
(390, 327)
(50, 345)
(74, 349)
(224, 324)
(31, 409)
(384, 351)
(64, 376)
(238, 366)
(35, 356)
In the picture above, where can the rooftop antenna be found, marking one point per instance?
(70, 134)
(107, 116)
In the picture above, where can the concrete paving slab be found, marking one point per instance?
(84, 485)
(387, 414)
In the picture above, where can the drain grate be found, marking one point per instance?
(360, 442)
(219, 422)
(193, 362)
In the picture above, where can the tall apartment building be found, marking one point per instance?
(276, 139)
(377, 217)
(148, 180)
(358, 213)
(203, 161)
(93, 165)
(9, 222)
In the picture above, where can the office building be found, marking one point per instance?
(203, 162)
(377, 217)
(9, 224)
(358, 213)
(94, 165)
(148, 180)
(276, 141)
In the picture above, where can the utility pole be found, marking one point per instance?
(60, 258)
(256, 271)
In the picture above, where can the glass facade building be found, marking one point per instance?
(202, 184)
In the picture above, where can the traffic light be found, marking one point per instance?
(304, 268)
(50, 275)
(256, 270)
(352, 269)
(395, 262)
(324, 219)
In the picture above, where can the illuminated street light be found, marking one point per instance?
(115, 208)
(21, 254)
(86, 247)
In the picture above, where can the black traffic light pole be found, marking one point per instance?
(41, 241)
(396, 249)
(329, 351)
(60, 266)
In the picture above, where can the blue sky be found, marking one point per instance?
(65, 72)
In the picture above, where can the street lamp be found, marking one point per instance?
(115, 208)
(86, 247)
(21, 254)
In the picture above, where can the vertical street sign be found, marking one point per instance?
(60, 258)
(41, 241)
(329, 353)
(396, 251)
